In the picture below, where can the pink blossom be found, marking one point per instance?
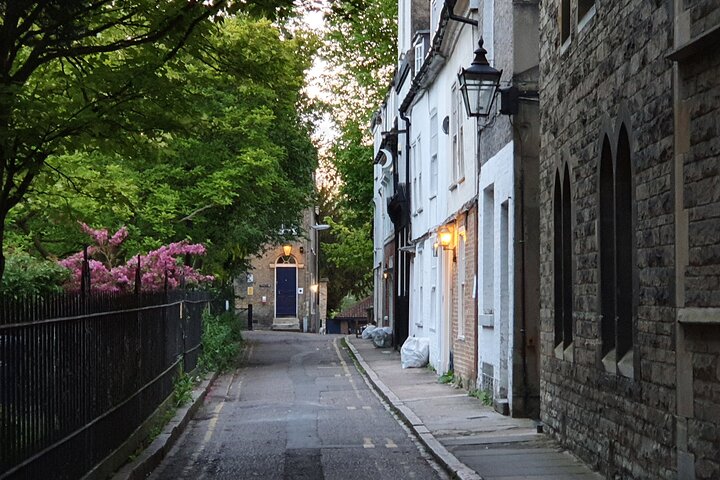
(107, 274)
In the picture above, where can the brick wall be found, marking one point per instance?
(612, 73)
(464, 347)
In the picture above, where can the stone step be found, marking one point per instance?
(286, 324)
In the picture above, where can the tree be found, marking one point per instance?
(218, 155)
(160, 268)
(361, 47)
(72, 70)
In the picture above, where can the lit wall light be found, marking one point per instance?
(445, 238)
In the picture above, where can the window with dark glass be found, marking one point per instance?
(562, 263)
(584, 8)
(564, 20)
(616, 256)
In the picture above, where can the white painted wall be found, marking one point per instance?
(430, 309)
(495, 271)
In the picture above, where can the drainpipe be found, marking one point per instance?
(476, 327)
(523, 329)
(406, 266)
(405, 119)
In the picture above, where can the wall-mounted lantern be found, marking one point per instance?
(445, 238)
(287, 250)
(479, 83)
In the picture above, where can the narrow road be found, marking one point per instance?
(296, 409)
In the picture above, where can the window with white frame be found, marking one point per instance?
(416, 162)
(461, 282)
(456, 134)
(433, 292)
(433, 154)
(419, 170)
(419, 54)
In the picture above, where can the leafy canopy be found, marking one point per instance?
(83, 76)
(217, 154)
(361, 47)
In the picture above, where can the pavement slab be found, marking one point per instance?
(471, 440)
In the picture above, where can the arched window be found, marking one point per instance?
(567, 262)
(616, 256)
(624, 242)
(562, 262)
(607, 249)
(285, 260)
(558, 260)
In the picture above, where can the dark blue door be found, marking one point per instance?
(285, 292)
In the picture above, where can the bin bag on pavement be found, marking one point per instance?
(367, 333)
(382, 337)
(415, 352)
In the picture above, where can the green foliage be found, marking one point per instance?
(182, 389)
(26, 275)
(362, 38)
(447, 377)
(361, 43)
(211, 149)
(221, 340)
(351, 254)
(485, 396)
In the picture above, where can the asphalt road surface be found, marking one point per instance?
(297, 408)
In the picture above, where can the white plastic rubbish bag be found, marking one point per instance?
(367, 332)
(415, 352)
(382, 337)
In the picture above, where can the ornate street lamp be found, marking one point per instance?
(478, 84)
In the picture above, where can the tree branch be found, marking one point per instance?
(189, 217)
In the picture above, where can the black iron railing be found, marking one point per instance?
(80, 372)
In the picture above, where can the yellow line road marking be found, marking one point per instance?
(346, 369)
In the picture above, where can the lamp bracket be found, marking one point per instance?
(450, 6)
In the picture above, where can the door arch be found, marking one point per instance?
(286, 287)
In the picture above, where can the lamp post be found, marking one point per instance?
(316, 286)
(479, 83)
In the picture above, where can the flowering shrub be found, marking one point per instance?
(107, 276)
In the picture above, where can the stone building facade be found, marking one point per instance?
(630, 234)
(284, 289)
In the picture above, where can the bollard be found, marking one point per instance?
(249, 325)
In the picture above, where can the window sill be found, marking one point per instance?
(622, 367)
(699, 316)
(566, 354)
(565, 46)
